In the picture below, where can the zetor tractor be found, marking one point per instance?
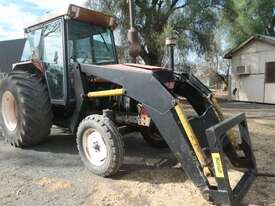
(69, 76)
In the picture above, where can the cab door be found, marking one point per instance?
(53, 59)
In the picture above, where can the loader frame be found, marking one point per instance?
(165, 109)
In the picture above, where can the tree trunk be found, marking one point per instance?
(150, 58)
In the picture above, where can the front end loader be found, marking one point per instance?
(69, 76)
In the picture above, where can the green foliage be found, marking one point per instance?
(193, 20)
(249, 17)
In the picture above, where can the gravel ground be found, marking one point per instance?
(52, 173)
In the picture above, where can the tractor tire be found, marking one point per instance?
(26, 115)
(152, 137)
(100, 145)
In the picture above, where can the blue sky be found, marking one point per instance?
(15, 15)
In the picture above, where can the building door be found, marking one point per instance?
(251, 88)
(269, 96)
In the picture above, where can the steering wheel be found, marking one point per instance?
(83, 55)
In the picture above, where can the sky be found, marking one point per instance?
(15, 15)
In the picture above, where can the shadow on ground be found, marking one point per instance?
(139, 158)
(60, 144)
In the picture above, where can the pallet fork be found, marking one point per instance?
(201, 143)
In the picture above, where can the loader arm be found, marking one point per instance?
(193, 141)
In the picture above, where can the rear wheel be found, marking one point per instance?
(25, 115)
(100, 145)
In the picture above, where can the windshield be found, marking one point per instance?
(90, 44)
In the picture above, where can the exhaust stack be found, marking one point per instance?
(134, 46)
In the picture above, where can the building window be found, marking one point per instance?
(270, 72)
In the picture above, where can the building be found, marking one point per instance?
(211, 79)
(253, 70)
(10, 53)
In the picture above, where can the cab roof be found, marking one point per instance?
(78, 13)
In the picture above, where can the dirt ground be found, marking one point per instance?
(52, 173)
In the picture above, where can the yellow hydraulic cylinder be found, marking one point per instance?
(218, 109)
(106, 93)
(192, 137)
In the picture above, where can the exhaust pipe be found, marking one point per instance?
(134, 46)
(171, 43)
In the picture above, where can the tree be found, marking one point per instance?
(193, 20)
(218, 67)
(245, 18)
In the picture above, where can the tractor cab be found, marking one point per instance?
(77, 35)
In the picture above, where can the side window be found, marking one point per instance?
(32, 49)
(52, 56)
(27, 52)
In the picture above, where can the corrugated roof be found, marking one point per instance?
(264, 38)
(10, 53)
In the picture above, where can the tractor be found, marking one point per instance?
(69, 76)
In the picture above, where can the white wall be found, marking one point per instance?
(269, 93)
(252, 87)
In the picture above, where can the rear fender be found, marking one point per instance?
(32, 66)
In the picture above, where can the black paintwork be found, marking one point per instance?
(148, 87)
(224, 194)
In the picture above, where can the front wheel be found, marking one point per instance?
(100, 145)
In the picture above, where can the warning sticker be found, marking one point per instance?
(218, 165)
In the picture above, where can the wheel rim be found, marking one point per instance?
(9, 110)
(94, 147)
